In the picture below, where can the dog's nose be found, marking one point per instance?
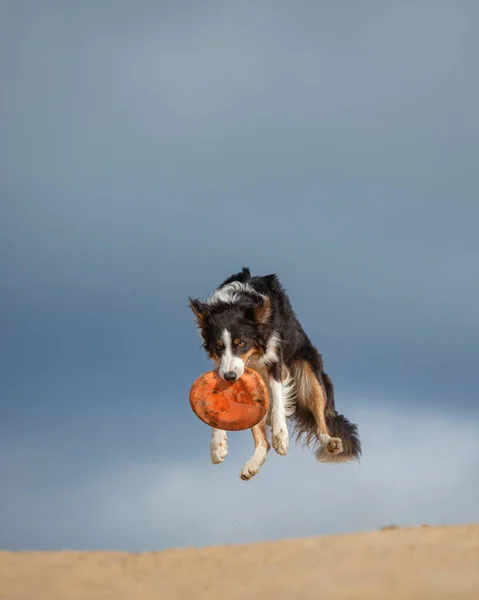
(230, 376)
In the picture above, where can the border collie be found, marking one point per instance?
(250, 321)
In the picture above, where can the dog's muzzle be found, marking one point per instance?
(230, 376)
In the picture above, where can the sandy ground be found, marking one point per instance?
(422, 563)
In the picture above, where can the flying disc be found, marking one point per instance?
(229, 405)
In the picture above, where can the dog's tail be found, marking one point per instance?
(338, 426)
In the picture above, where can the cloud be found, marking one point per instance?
(145, 158)
(418, 467)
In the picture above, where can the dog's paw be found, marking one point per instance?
(250, 469)
(218, 451)
(280, 440)
(333, 446)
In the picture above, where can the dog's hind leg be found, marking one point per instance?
(261, 448)
(312, 398)
(218, 446)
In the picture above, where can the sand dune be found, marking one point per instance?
(419, 563)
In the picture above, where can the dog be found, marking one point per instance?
(249, 321)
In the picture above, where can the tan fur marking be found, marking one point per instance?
(198, 314)
(247, 355)
(311, 395)
(259, 435)
(263, 313)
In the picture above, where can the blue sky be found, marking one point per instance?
(148, 150)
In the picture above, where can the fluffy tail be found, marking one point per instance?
(340, 427)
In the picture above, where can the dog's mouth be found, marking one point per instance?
(231, 374)
(237, 371)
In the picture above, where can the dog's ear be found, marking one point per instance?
(262, 311)
(199, 309)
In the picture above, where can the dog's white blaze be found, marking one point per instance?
(228, 361)
(229, 292)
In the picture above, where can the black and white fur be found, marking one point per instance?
(249, 321)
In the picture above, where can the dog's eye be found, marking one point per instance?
(240, 343)
(219, 346)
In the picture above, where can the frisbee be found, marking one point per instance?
(229, 405)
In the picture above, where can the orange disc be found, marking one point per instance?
(229, 405)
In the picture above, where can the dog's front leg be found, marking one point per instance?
(261, 448)
(218, 446)
(279, 428)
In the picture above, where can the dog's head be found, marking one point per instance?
(232, 331)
